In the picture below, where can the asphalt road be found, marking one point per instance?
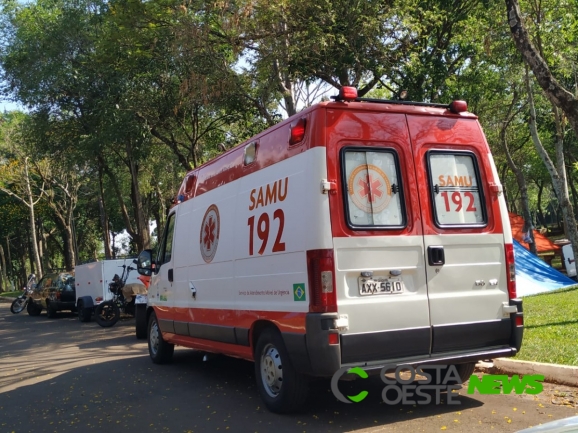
(59, 375)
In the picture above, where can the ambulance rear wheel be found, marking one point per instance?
(283, 389)
(160, 351)
(466, 370)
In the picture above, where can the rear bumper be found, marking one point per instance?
(57, 305)
(311, 353)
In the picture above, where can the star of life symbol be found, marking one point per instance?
(369, 188)
(209, 238)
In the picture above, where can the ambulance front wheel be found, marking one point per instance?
(160, 351)
(282, 388)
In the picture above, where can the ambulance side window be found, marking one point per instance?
(372, 188)
(166, 248)
(456, 193)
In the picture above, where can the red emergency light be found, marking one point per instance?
(458, 107)
(348, 93)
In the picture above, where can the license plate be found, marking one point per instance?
(380, 286)
(141, 299)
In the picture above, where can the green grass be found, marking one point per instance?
(551, 327)
(11, 294)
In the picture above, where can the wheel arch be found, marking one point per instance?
(257, 329)
(87, 301)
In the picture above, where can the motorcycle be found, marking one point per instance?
(108, 312)
(21, 302)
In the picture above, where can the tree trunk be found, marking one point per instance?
(124, 212)
(540, 212)
(9, 268)
(558, 179)
(68, 238)
(143, 239)
(557, 95)
(525, 202)
(32, 220)
(104, 218)
(3, 275)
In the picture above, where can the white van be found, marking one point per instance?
(358, 233)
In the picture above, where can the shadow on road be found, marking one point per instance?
(62, 375)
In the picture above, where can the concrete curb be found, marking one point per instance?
(553, 373)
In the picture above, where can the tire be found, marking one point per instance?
(84, 314)
(107, 314)
(33, 309)
(18, 305)
(283, 389)
(50, 311)
(160, 351)
(464, 372)
(140, 315)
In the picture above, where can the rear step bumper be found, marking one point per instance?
(312, 354)
(461, 358)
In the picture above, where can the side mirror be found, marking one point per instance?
(144, 263)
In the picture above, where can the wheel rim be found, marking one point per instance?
(154, 338)
(107, 312)
(19, 305)
(271, 370)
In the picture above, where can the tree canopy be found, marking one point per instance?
(123, 97)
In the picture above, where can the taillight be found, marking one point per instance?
(298, 131)
(322, 292)
(511, 270)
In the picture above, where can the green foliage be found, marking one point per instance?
(128, 95)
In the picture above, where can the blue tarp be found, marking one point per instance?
(533, 275)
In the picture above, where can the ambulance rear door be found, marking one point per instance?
(464, 234)
(378, 244)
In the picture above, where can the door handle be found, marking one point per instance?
(170, 275)
(435, 256)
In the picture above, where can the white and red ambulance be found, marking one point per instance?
(358, 232)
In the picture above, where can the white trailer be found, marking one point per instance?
(92, 280)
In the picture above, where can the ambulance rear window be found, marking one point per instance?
(372, 188)
(455, 189)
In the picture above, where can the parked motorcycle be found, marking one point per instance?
(108, 312)
(21, 302)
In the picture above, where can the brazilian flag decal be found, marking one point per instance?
(299, 292)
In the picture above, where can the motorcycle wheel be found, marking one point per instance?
(18, 305)
(107, 314)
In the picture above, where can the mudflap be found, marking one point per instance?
(141, 322)
(517, 324)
